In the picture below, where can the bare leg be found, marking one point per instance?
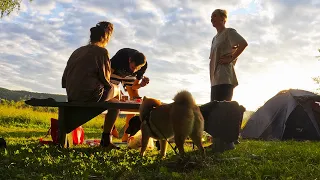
(132, 94)
(110, 118)
(125, 135)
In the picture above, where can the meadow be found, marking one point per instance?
(25, 158)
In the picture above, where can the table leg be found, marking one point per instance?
(64, 139)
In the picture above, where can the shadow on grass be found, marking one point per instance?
(21, 134)
(33, 160)
(252, 160)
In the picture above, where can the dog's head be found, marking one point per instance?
(151, 102)
(147, 105)
(134, 125)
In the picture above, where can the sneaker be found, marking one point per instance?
(109, 146)
(112, 146)
(106, 141)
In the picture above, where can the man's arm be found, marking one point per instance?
(238, 43)
(136, 85)
(133, 93)
(144, 80)
(241, 46)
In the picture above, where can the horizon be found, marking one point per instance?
(197, 103)
(283, 42)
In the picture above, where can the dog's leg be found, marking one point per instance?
(163, 147)
(144, 144)
(197, 132)
(179, 140)
(144, 139)
(196, 137)
(197, 140)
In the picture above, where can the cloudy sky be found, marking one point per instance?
(175, 36)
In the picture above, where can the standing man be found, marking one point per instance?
(226, 46)
(128, 67)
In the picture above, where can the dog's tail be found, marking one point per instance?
(184, 97)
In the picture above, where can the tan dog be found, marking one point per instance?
(180, 119)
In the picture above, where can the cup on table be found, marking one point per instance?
(124, 98)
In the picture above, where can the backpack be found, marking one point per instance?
(77, 134)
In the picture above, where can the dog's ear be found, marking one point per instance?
(144, 98)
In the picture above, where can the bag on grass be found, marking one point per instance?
(77, 134)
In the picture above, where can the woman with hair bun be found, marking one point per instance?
(87, 76)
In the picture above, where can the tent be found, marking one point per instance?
(291, 114)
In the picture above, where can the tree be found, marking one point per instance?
(317, 79)
(318, 56)
(7, 6)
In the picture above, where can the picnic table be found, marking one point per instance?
(74, 114)
(222, 118)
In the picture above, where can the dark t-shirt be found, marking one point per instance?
(87, 74)
(120, 64)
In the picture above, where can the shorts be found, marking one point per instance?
(222, 92)
(126, 81)
(107, 94)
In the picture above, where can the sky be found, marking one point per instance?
(175, 35)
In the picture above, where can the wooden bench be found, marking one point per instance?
(74, 114)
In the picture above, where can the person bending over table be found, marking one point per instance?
(128, 66)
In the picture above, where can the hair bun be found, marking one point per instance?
(102, 31)
(93, 29)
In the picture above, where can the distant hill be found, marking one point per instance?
(25, 95)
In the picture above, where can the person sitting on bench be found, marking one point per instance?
(128, 66)
(87, 76)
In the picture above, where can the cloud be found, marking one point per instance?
(42, 7)
(174, 35)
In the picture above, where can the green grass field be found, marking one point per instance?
(25, 158)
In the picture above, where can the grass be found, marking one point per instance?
(27, 117)
(25, 158)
